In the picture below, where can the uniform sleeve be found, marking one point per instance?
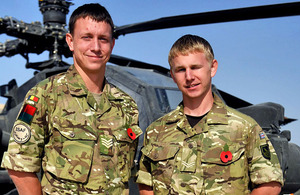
(144, 173)
(264, 165)
(26, 143)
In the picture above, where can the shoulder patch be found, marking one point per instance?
(21, 133)
(265, 151)
(27, 113)
(33, 98)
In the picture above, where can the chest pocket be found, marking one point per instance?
(70, 150)
(126, 149)
(163, 157)
(224, 165)
(217, 155)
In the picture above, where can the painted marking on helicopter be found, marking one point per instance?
(33, 98)
(27, 113)
(21, 133)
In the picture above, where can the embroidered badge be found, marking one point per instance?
(107, 142)
(188, 165)
(21, 133)
(27, 113)
(106, 145)
(262, 135)
(33, 98)
(131, 134)
(226, 155)
(265, 151)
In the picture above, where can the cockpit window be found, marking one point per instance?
(168, 98)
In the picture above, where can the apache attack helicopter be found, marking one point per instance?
(150, 85)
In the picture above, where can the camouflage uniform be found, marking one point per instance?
(223, 153)
(84, 147)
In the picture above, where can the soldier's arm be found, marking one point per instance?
(272, 188)
(144, 179)
(145, 190)
(264, 169)
(25, 182)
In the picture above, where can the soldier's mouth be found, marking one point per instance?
(193, 85)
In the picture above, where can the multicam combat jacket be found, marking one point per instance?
(83, 146)
(223, 153)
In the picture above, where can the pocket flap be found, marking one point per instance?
(163, 151)
(218, 156)
(73, 130)
(128, 135)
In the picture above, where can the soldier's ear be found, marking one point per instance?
(213, 68)
(69, 40)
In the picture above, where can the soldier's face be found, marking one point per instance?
(91, 44)
(192, 73)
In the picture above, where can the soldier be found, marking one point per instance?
(204, 146)
(79, 128)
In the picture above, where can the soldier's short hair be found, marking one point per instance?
(190, 44)
(93, 10)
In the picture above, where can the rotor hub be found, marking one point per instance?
(54, 11)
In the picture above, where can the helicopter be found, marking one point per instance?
(150, 85)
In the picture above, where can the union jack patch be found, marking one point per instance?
(262, 136)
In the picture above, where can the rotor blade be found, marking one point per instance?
(248, 13)
(122, 61)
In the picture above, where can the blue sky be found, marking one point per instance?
(259, 60)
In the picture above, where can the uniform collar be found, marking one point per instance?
(78, 88)
(75, 82)
(216, 116)
(218, 112)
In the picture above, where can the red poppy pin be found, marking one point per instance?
(131, 134)
(226, 154)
